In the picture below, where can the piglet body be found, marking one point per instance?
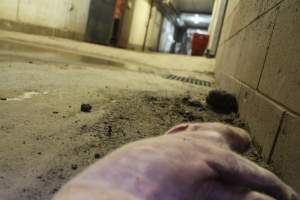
(189, 162)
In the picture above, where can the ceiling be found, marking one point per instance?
(194, 20)
(194, 6)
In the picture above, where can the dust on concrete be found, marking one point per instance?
(129, 118)
(46, 140)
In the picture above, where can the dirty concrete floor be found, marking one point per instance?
(45, 139)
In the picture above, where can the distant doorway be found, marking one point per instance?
(100, 21)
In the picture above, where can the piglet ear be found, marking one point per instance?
(178, 129)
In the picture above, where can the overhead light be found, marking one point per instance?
(180, 22)
(197, 19)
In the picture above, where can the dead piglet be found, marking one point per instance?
(191, 161)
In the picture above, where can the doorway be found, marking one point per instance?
(100, 21)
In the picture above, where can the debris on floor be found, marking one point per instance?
(222, 102)
(134, 116)
(26, 95)
(74, 167)
(151, 116)
(86, 108)
(97, 156)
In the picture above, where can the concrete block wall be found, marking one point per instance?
(140, 25)
(153, 35)
(259, 60)
(126, 24)
(62, 18)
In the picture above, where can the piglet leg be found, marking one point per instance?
(234, 169)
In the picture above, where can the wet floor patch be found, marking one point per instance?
(26, 95)
(55, 56)
(190, 80)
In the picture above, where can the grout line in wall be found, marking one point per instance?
(254, 20)
(18, 9)
(276, 138)
(268, 47)
(282, 106)
(53, 32)
(278, 103)
(232, 10)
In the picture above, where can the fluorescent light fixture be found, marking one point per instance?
(197, 19)
(180, 22)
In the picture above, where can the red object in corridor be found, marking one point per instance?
(199, 44)
(118, 9)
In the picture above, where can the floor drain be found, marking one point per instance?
(190, 80)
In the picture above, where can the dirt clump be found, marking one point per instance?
(74, 167)
(146, 115)
(86, 108)
(222, 102)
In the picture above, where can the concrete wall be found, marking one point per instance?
(141, 13)
(167, 36)
(65, 18)
(135, 25)
(214, 30)
(259, 60)
(153, 35)
(126, 24)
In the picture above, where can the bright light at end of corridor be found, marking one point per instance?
(197, 19)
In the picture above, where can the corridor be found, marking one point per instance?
(77, 83)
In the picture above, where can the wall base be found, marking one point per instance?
(38, 30)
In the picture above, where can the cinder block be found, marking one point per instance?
(219, 58)
(48, 13)
(227, 83)
(254, 49)
(263, 117)
(232, 4)
(268, 4)
(226, 30)
(8, 9)
(231, 54)
(286, 157)
(280, 79)
(246, 11)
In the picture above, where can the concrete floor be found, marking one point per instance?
(45, 139)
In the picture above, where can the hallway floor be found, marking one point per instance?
(46, 139)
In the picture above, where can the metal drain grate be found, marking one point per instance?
(190, 80)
